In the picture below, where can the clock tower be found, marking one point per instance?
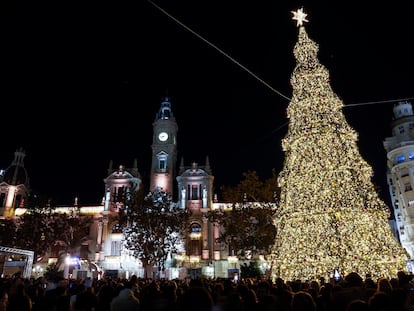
(164, 149)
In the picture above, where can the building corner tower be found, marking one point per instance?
(400, 175)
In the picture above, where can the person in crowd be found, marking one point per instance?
(357, 305)
(4, 298)
(384, 285)
(303, 301)
(85, 299)
(126, 300)
(196, 298)
(380, 301)
(19, 300)
(104, 297)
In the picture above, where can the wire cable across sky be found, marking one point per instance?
(252, 73)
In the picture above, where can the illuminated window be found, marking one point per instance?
(116, 248)
(117, 228)
(195, 228)
(162, 165)
(195, 239)
(162, 161)
(400, 158)
(195, 231)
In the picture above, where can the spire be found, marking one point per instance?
(135, 165)
(207, 166)
(165, 111)
(16, 173)
(110, 167)
(134, 170)
(182, 168)
(19, 157)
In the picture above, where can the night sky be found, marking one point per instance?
(80, 84)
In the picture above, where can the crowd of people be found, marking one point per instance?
(351, 293)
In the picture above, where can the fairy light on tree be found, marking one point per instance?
(330, 215)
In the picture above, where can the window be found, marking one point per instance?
(162, 165)
(194, 192)
(411, 155)
(195, 240)
(400, 158)
(116, 248)
(401, 129)
(162, 161)
(2, 199)
(117, 228)
(195, 231)
(84, 251)
(408, 187)
(195, 228)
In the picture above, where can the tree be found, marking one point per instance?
(53, 271)
(251, 270)
(252, 189)
(153, 229)
(248, 228)
(39, 228)
(8, 230)
(330, 215)
(70, 231)
(35, 231)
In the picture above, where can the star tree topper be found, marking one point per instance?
(299, 16)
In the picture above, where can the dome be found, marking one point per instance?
(403, 109)
(16, 174)
(121, 173)
(194, 171)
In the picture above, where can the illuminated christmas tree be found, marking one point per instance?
(330, 215)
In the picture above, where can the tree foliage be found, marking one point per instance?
(248, 228)
(8, 230)
(252, 189)
(70, 231)
(153, 229)
(251, 270)
(39, 228)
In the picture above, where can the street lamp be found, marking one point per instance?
(38, 270)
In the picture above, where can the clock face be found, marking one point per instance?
(163, 136)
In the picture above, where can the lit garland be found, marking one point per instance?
(330, 215)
